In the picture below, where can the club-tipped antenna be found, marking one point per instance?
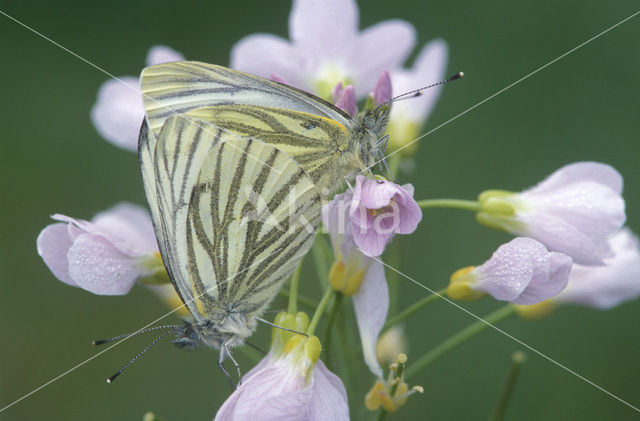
(127, 335)
(418, 92)
(155, 341)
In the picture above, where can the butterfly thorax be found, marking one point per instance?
(231, 330)
(368, 127)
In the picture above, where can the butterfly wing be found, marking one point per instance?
(321, 146)
(177, 87)
(233, 215)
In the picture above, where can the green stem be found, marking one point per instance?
(320, 252)
(302, 300)
(295, 282)
(393, 259)
(382, 415)
(459, 338)
(335, 309)
(319, 310)
(471, 205)
(413, 308)
(517, 359)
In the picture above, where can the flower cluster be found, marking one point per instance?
(573, 222)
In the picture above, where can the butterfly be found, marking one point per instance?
(325, 141)
(234, 168)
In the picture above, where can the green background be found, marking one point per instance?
(584, 107)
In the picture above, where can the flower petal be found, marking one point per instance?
(324, 27)
(607, 286)
(373, 194)
(329, 401)
(516, 265)
(162, 54)
(129, 228)
(383, 91)
(118, 112)
(548, 282)
(429, 67)
(384, 46)
(335, 218)
(53, 244)
(371, 304)
(266, 54)
(560, 236)
(347, 101)
(99, 267)
(580, 172)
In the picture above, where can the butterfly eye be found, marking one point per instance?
(308, 125)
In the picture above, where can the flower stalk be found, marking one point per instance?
(295, 282)
(319, 310)
(409, 311)
(459, 338)
(517, 359)
(471, 205)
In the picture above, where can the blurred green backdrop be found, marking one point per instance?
(583, 107)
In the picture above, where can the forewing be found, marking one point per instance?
(321, 146)
(177, 87)
(248, 225)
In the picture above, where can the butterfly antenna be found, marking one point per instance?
(155, 341)
(418, 92)
(127, 335)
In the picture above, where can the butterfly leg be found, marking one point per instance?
(235, 363)
(224, 350)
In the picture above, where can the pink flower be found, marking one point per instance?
(573, 211)
(326, 47)
(346, 100)
(359, 276)
(379, 209)
(521, 271)
(607, 286)
(289, 385)
(105, 256)
(118, 112)
(383, 91)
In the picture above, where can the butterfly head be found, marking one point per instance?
(231, 331)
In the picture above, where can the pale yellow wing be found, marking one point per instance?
(233, 215)
(178, 87)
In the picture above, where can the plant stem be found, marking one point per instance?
(302, 300)
(335, 309)
(382, 415)
(471, 205)
(413, 308)
(319, 310)
(391, 275)
(295, 282)
(459, 338)
(517, 359)
(321, 258)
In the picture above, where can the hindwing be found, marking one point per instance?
(233, 215)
